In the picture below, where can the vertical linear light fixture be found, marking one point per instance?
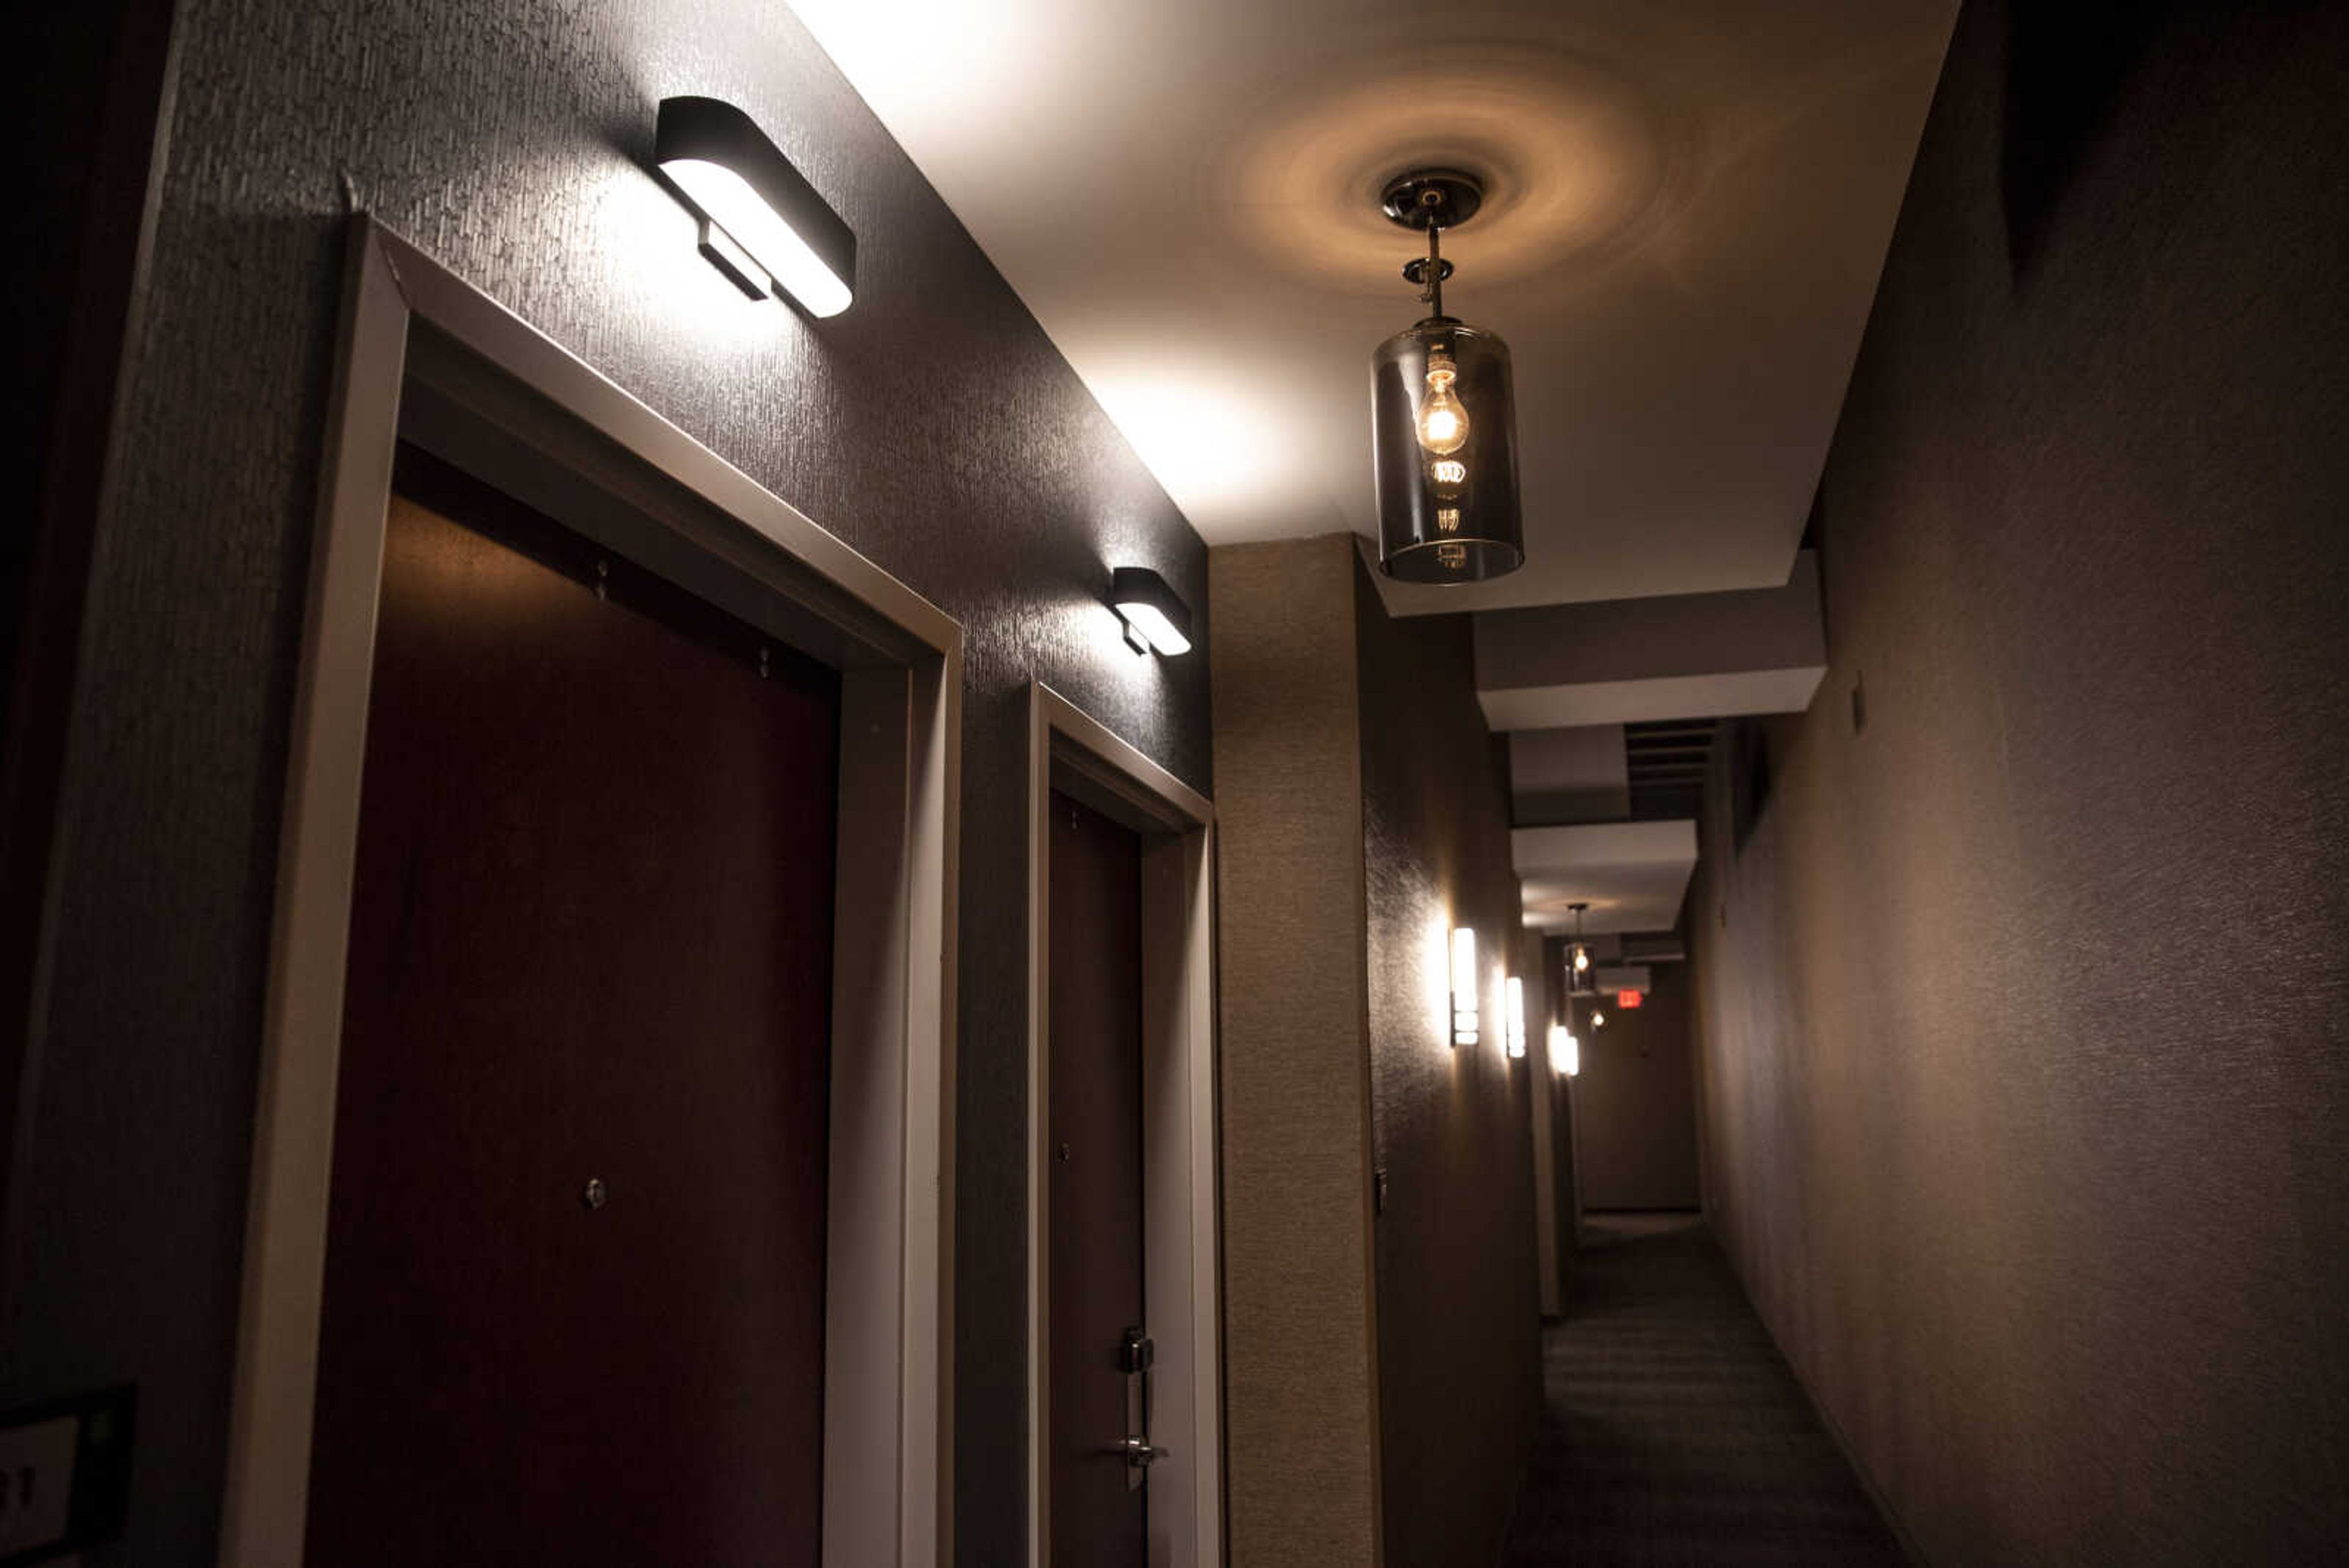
(1442, 415)
(1463, 986)
(1565, 1052)
(1156, 619)
(762, 225)
(1514, 1018)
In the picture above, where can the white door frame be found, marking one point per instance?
(428, 357)
(1182, 1291)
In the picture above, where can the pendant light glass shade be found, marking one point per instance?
(1581, 974)
(1444, 421)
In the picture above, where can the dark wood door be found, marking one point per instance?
(1095, 961)
(574, 1280)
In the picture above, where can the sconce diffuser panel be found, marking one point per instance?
(1463, 986)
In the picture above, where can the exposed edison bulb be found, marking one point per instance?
(1443, 422)
(1598, 1019)
(1581, 959)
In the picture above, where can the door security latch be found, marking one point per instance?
(1134, 1354)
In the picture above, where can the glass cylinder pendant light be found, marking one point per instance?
(1444, 417)
(1581, 979)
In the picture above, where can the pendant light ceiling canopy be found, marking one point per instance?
(1443, 415)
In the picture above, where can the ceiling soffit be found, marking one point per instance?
(1688, 208)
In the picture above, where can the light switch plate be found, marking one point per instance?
(64, 1474)
(36, 1468)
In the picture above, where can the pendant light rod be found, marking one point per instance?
(1434, 293)
(1433, 200)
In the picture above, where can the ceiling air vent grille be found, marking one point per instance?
(1666, 763)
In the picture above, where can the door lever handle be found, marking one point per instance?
(1136, 1450)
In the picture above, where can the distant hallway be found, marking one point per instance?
(1672, 1431)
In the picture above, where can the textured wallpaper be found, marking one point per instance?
(1635, 1102)
(1458, 1304)
(2024, 1011)
(1301, 1353)
(932, 427)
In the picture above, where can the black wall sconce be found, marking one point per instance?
(762, 225)
(1156, 619)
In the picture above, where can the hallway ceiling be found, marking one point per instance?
(1688, 206)
(1633, 874)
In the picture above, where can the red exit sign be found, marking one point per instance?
(1628, 999)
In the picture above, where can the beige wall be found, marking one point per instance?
(1301, 1390)
(2024, 1011)
(1636, 1101)
(1382, 1377)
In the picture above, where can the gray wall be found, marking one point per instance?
(1564, 1174)
(1458, 1309)
(1301, 1394)
(77, 143)
(934, 426)
(1635, 1103)
(2025, 1041)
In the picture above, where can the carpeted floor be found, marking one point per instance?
(1673, 1433)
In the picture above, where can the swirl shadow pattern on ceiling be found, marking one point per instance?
(1579, 163)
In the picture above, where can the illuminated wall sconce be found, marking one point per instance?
(762, 225)
(1156, 619)
(1515, 1018)
(1463, 986)
(1565, 1052)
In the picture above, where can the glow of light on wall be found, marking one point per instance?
(1194, 428)
(1565, 1052)
(1463, 986)
(1515, 1018)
